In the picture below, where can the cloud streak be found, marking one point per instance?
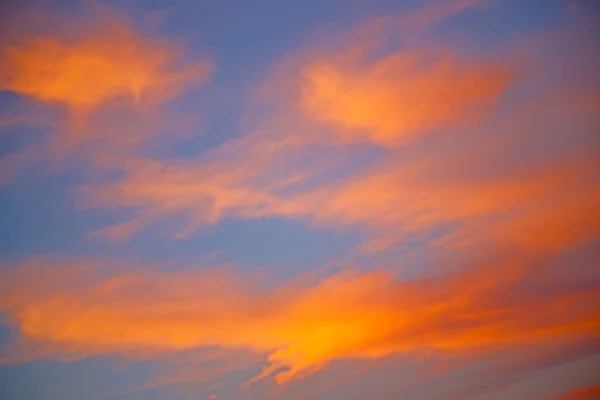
(300, 325)
(580, 394)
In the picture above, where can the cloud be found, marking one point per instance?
(581, 394)
(206, 193)
(513, 191)
(439, 10)
(394, 144)
(385, 81)
(390, 100)
(284, 156)
(99, 83)
(507, 373)
(198, 372)
(87, 66)
(301, 325)
(484, 173)
(484, 190)
(548, 203)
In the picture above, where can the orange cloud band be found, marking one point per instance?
(301, 327)
(589, 393)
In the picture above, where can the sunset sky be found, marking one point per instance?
(300, 200)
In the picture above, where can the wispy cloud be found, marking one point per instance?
(301, 325)
(83, 67)
(106, 79)
(490, 162)
(471, 172)
(400, 96)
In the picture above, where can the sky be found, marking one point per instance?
(300, 200)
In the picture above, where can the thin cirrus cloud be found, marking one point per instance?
(390, 199)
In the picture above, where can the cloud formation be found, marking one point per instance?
(105, 60)
(490, 169)
(404, 94)
(300, 325)
(102, 84)
(472, 173)
(581, 394)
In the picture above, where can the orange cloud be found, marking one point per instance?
(270, 172)
(512, 176)
(504, 200)
(364, 88)
(206, 193)
(407, 93)
(237, 179)
(504, 203)
(546, 206)
(112, 77)
(301, 326)
(103, 61)
(592, 392)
